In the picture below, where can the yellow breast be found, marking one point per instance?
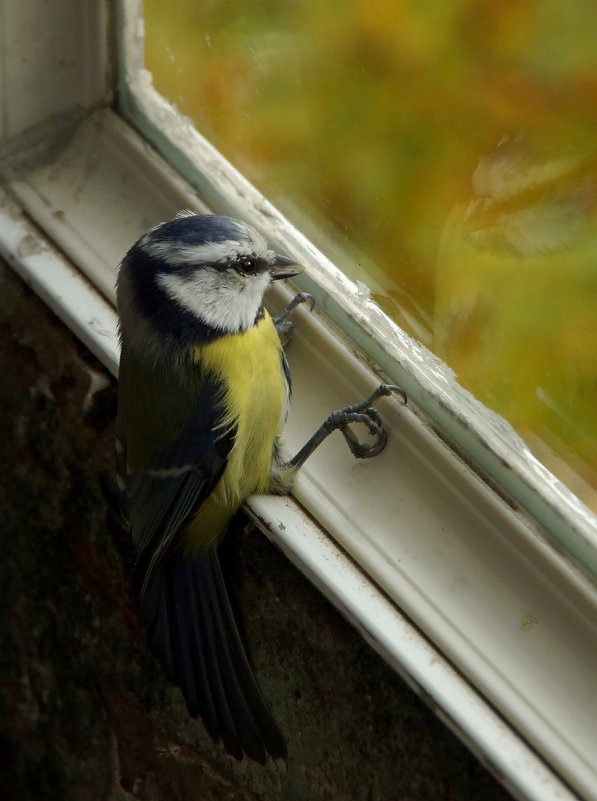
(249, 367)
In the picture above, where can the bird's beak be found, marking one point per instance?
(285, 267)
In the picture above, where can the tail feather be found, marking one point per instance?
(207, 710)
(255, 711)
(185, 650)
(193, 632)
(221, 687)
(232, 661)
(157, 609)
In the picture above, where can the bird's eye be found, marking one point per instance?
(247, 265)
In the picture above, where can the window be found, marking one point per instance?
(351, 120)
(484, 584)
(444, 158)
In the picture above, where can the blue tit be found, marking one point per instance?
(203, 394)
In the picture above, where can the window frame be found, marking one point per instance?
(58, 247)
(483, 438)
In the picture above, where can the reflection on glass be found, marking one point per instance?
(442, 153)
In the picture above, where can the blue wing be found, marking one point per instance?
(165, 492)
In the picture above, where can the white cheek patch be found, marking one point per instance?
(221, 299)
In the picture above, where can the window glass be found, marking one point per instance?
(444, 154)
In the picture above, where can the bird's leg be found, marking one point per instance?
(357, 413)
(284, 326)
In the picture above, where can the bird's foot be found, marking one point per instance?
(341, 419)
(283, 325)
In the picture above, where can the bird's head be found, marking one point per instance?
(198, 277)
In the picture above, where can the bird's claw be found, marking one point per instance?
(284, 326)
(364, 413)
(341, 419)
(362, 450)
(382, 391)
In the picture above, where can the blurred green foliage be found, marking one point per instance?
(445, 154)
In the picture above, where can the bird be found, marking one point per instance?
(203, 393)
